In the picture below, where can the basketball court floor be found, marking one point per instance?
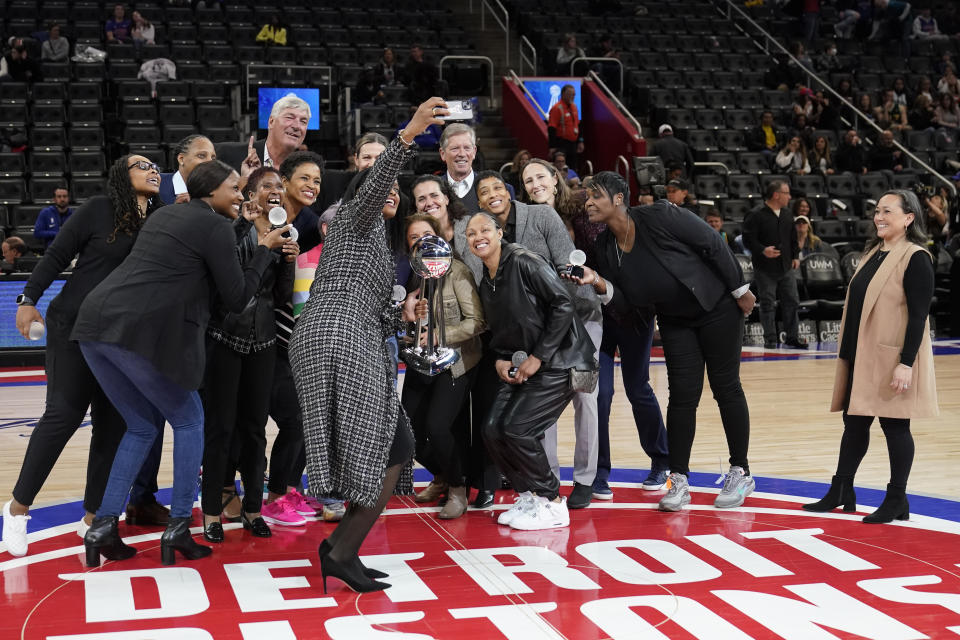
(622, 570)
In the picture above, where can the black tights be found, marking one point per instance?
(856, 439)
(346, 539)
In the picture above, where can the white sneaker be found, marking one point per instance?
(544, 514)
(82, 528)
(15, 532)
(519, 505)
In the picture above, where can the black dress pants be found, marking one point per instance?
(435, 405)
(514, 428)
(71, 388)
(714, 339)
(482, 472)
(287, 458)
(236, 396)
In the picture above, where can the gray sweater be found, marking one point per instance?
(55, 50)
(540, 229)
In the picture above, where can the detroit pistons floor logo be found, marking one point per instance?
(622, 570)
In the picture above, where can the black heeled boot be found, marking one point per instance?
(325, 548)
(894, 507)
(841, 492)
(350, 574)
(177, 537)
(103, 538)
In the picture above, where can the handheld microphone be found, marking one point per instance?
(36, 330)
(277, 217)
(516, 360)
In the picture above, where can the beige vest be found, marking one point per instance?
(883, 325)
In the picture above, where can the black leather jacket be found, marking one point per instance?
(256, 321)
(529, 309)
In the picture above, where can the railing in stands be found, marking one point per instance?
(718, 165)
(504, 23)
(517, 81)
(622, 161)
(596, 59)
(532, 60)
(729, 9)
(623, 109)
(482, 59)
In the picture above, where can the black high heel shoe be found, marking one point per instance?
(894, 507)
(325, 548)
(213, 532)
(103, 538)
(841, 492)
(256, 527)
(177, 537)
(351, 575)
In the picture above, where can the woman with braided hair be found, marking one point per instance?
(102, 232)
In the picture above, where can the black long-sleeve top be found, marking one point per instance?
(87, 233)
(157, 302)
(918, 283)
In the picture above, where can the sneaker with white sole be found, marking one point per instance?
(543, 514)
(656, 479)
(602, 490)
(281, 512)
(14, 532)
(678, 496)
(519, 505)
(300, 504)
(736, 487)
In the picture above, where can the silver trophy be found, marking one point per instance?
(430, 259)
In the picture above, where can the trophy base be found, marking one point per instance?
(429, 363)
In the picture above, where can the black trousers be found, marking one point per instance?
(288, 457)
(236, 396)
(514, 429)
(482, 472)
(713, 339)
(71, 388)
(435, 406)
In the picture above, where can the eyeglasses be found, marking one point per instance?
(143, 165)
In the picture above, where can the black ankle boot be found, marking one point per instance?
(178, 537)
(103, 538)
(325, 548)
(893, 507)
(841, 492)
(350, 573)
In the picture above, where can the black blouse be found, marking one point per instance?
(87, 233)
(918, 283)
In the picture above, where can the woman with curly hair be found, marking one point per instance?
(102, 232)
(431, 195)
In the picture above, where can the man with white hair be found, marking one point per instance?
(286, 129)
(458, 148)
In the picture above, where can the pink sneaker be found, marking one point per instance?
(315, 504)
(299, 503)
(281, 512)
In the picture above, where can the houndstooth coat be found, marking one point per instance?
(337, 351)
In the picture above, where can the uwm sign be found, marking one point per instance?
(699, 574)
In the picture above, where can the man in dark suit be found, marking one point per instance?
(771, 237)
(458, 148)
(286, 129)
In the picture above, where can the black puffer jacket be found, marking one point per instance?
(529, 309)
(256, 321)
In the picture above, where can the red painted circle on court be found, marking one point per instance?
(621, 570)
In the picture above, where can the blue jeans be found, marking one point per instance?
(634, 341)
(145, 398)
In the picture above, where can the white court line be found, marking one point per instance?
(22, 374)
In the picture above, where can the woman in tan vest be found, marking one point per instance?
(885, 364)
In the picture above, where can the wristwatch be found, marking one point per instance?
(24, 300)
